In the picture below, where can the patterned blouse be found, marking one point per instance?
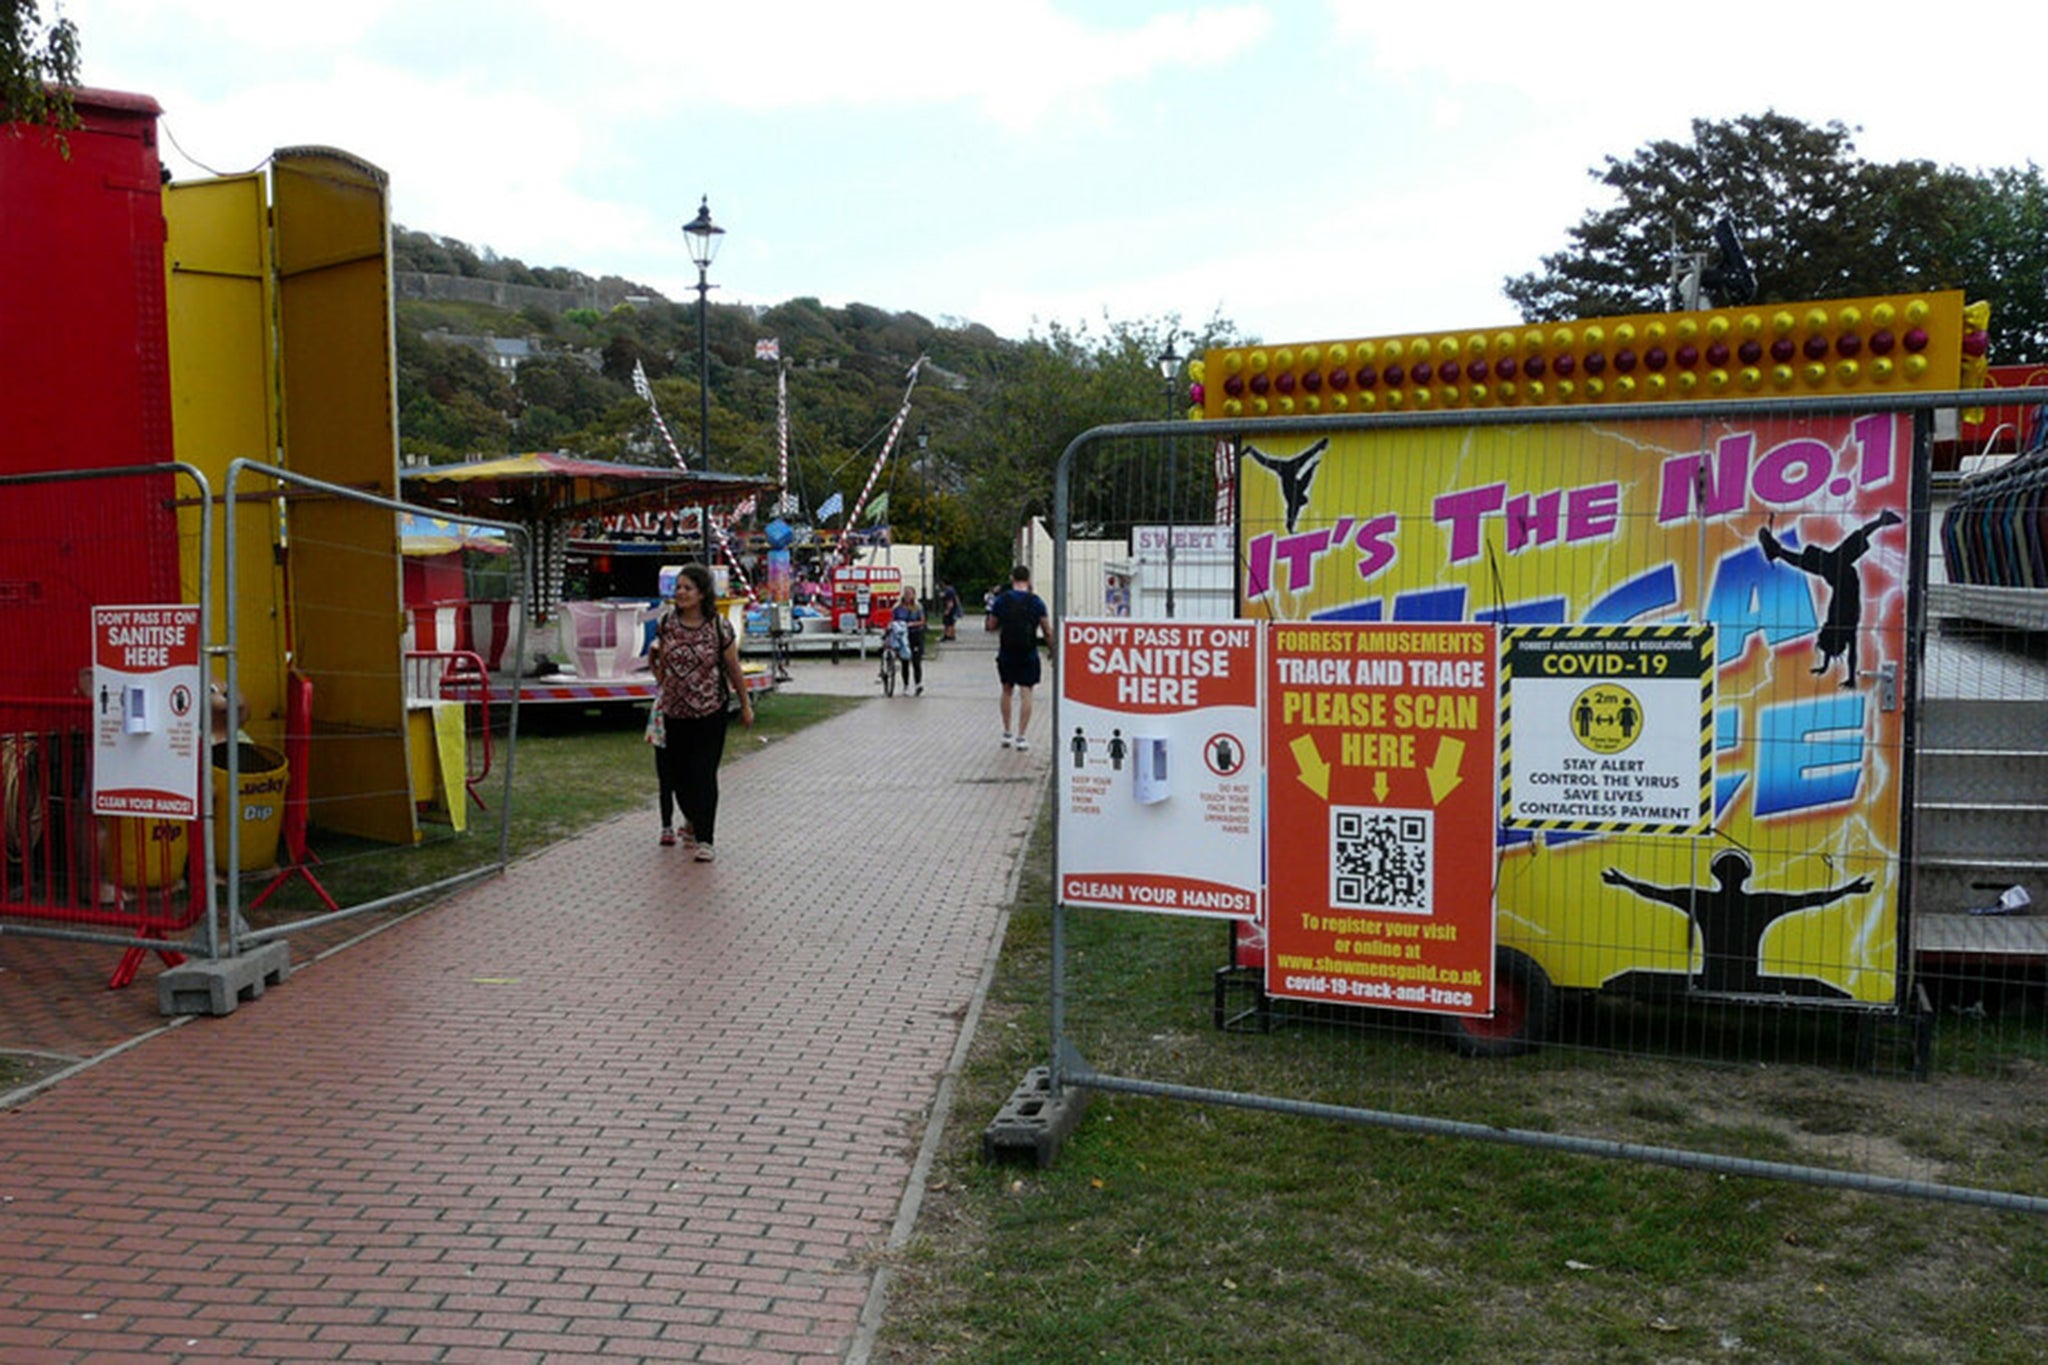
(689, 670)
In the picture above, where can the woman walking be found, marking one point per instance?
(911, 614)
(695, 659)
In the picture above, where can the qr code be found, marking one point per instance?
(1379, 859)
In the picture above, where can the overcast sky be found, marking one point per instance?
(1308, 169)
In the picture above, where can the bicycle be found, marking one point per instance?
(895, 644)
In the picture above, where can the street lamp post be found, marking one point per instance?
(1169, 367)
(705, 237)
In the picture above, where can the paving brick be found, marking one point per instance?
(676, 1138)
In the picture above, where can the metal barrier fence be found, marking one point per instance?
(77, 539)
(1760, 787)
(354, 793)
(365, 753)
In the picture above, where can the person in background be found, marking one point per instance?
(910, 612)
(695, 659)
(949, 608)
(1020, 614)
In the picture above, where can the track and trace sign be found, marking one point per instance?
(1380, 838)
(1608, 728)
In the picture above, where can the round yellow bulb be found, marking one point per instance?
(1916, 365)
(1814, 373)
(1688, 329)
(1258, 407)
(1478, 394)
(1881, 370)
(1233, 362)
(1847, 372)
(1781, 376)
(1257, 362)
(1339, 353)
(1476, 344)
(1782, 323)
(1752, 325)
(1717, 327)
(1284, 406)
(1882, 315)
(1283, 359)
(1537, 393)
(1850, 317)
(1625, 387)
(1596, 337)
(1418, 349)
(1532, 341)
(1566, 390)
(1311, 356)
(1364, 352)
(1233, 407)
(1816, 319)
(1752, 378)
(1395, 399)
(1447, 348)
(1717, 381)
(1562, 338)
(1339, 402)
(1917, 312)
(1368, 401)
(1503, 343)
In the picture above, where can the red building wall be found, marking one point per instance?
(84, 384)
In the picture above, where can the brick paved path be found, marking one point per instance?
(614, 1104)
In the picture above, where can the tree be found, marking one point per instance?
(1815, 220)
(38, 66)
(1997, 249)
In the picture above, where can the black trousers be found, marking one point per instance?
(687, 768)
(913, 667)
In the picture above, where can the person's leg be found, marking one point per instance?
(664, 776)
(1007, 731)
(1023, 714)
(697, 785)
(916, 675)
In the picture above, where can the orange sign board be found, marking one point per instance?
(1381, 806)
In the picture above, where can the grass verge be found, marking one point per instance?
(1174, 1232)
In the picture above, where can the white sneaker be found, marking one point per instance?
(1022, 743)
(704, 853)
(1008, 739)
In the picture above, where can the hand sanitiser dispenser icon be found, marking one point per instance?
(1148, 772)
(136, 718)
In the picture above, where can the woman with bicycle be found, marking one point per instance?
(909, 614)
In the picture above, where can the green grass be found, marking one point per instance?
(1170, 1231)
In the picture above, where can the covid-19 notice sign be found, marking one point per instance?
(145, 684)
(1160, 766)
(1380, 843)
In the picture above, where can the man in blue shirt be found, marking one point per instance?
(1021, 616)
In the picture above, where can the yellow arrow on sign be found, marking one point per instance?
(1443, 769)
(1379, 785)
(1315, 773)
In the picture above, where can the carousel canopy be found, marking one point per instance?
(547, 485)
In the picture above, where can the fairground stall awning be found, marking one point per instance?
(556, 495)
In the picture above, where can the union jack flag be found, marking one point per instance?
(768, 348)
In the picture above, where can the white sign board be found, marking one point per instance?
(149, 709)
(1160, 755)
